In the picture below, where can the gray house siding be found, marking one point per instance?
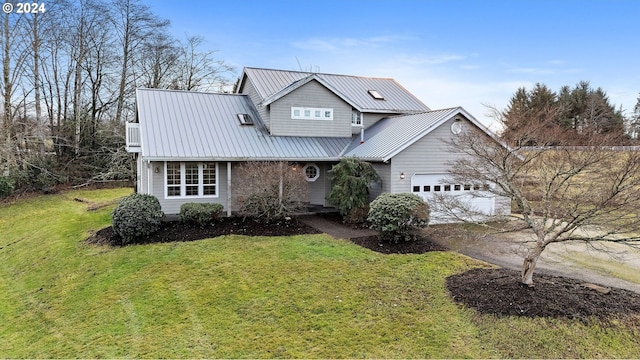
(312, 95)
(432, 154)
(250, 90)
(429, 155)
(319, 189)
(384, 172)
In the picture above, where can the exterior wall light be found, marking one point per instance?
(401, 176)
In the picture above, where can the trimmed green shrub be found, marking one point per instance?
(200, 213)
(7, 186)
(398, 216)
(135, 216)
(350, 191)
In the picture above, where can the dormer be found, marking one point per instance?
(295, 103)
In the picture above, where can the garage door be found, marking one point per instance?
(472, 196)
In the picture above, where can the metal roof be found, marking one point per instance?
(204, 126)
(391, 135)
(273, 84)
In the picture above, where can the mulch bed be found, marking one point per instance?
(176, 231)
(375, 243)
(499, 292)
(418, 246)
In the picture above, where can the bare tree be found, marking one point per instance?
(198, 70)
(14, 55)
(270, 190)
(133, 22)
(159, 57)
(588, 193)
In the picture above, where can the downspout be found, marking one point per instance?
(229, 188)
(362, 135)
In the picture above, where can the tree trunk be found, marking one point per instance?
(529, 265)
(6, 74)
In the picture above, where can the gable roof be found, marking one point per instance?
(189, 125)
(389, 136)
(272, 85)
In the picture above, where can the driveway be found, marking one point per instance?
(608, 264)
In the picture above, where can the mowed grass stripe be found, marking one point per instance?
(308, 296)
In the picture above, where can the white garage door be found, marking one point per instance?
(432, 187)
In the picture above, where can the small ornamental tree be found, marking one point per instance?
(135, 216)
(560, 193)
(352, 178)
(398, 216)
(270, 190)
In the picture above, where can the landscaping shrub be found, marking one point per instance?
(135, 216)
(398, 216)
(270, 191)
(7, 185)
(350, 191)
(200, 213)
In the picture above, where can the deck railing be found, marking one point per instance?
(133, 137)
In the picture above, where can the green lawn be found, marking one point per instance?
(306, 296)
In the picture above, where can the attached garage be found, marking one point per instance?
(433, 188)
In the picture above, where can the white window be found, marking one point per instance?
(356, 119)
(303, 113)
(311, 172)
(191, 179)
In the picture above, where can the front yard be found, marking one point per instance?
(300, 296)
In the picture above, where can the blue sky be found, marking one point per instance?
(448, 53)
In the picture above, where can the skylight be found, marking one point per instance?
(245, 119)
(376, 95)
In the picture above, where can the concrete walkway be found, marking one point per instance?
(335, 229)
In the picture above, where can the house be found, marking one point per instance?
(188, 145)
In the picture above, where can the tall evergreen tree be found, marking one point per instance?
(539, 115)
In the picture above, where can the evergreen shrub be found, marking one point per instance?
(200, 213)
(135, 216)
(398, 216)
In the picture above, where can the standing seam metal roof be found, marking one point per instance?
(272, 84)
(390, 135)
(192, 125)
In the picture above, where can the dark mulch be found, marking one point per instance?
(500, 292)
(177, 231)
(375, 243)
(418, 246)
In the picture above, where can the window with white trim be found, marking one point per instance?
(356, 119)
(311, 172)
(303, 113)
(191, 179)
